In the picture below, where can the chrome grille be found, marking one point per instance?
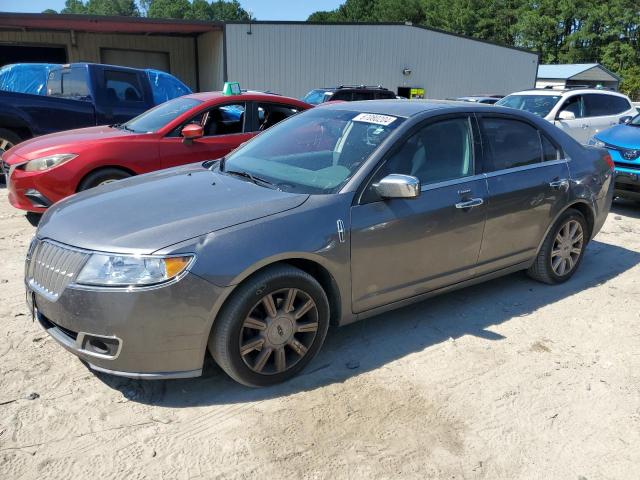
(52, 267)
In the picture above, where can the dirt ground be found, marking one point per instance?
(507, 380)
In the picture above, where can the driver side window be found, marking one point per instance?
(574, 105)
(220, 120)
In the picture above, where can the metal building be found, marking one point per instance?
(576, 75)
(286, 57)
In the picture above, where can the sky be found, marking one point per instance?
(261, 9)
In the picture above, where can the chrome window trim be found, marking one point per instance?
(453, 181)
(524, 168)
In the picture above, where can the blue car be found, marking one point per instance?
(623, 143)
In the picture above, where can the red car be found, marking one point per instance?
(187, 129)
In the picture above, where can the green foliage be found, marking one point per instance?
(127, 8)
(560, 31)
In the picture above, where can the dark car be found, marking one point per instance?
(333, 215)
(490, 100)
(44, 98)
(348, 93)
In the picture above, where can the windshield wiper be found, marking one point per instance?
(253, 178)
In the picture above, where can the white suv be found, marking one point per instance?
(580, 112)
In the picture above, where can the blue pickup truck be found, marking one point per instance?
(36, 99)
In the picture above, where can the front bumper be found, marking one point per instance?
(155, 334)
(627, 184)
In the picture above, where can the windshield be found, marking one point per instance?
(317, 151)
(156, 118)
(539, 105)
(635, 121)
(314, 97)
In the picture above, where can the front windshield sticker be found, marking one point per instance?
(374, 118)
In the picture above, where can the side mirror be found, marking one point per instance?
(566, 115)
(191, 132)
(626, 119)
(398, 186)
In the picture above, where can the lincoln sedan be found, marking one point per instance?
(331, 216)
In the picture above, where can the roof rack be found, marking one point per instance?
(379, 87)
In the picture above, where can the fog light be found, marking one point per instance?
(102, 346)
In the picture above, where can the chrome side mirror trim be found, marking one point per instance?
(396, 185)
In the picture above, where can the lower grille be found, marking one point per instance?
(628, 166)
(52, 267)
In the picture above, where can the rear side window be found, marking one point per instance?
(362, 95)
(122, 86)
(549, 150)
(74, 83)
(384, 95)
(510, 143)
(342, 95)
(598, 105)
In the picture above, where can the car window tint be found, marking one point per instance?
(341, 95)
(574, 105)
(73, 83)
(360, 95)
(271, 113)
(510, 143)
(549, 150)
(220, 120)
(122, 86)
(438, 152)
(384, 95)
(598, 105)
(159, 116)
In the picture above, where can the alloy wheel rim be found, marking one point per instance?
(5, 145)
(567, 248)
(278, 331)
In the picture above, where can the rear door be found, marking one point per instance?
(528, 182)
(225, 127)
(120, 94)
(404, 247)
(604, 111)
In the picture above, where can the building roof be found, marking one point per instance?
(105, 24)
(568, 71)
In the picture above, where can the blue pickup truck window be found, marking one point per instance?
(165, 87)
(122, 86)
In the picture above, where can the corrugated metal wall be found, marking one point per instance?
(87, 46)
(211, 61)
(293, 58)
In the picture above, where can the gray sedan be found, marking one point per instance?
(336, 214)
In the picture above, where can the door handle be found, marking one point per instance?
(474, 202)
(559, 184)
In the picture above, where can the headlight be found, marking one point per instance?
(596, 142)
(131, 270)
(45, 163)
(630, 154)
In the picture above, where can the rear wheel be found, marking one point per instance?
(562, 250)
(102, 177)
(271, 327)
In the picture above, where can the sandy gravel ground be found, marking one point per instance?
(508, 380)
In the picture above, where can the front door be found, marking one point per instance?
(401, 248)
(225, 128)
(528, 182)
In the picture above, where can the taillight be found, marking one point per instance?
(607, 158)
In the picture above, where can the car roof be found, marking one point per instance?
(406, 108)
(244, 96)
(560, 92)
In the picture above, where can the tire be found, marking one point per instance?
(8, 139)
(558, 260)
(272, 352)
(100, 177)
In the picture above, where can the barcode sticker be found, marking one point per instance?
(374, 118)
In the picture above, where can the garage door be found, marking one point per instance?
(135, 58)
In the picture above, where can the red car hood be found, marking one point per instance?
(71, 141)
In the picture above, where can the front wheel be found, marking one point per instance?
(271, 327)
(562, 250)
(102, 177)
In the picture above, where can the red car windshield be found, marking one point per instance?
(153, 120)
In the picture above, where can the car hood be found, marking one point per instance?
(70, 141)
(624, 136)
(146, 213)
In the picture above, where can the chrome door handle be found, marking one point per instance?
(559, 184)
(474, 202)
